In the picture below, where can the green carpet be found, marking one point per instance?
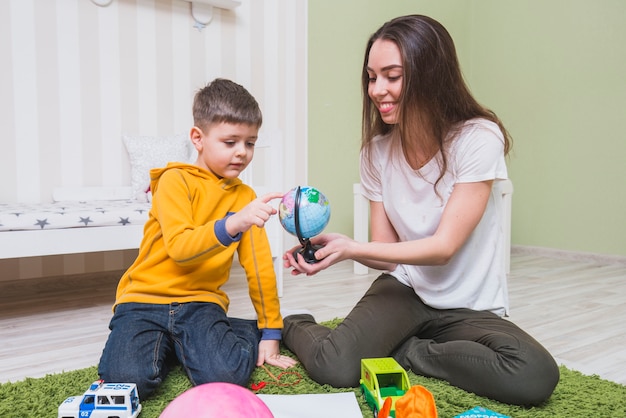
(576, 395)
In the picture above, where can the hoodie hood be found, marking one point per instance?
(156, 173)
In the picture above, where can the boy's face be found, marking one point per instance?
(225, 149)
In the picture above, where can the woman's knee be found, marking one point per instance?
(540, 381)
(531, 385)
(337, 372)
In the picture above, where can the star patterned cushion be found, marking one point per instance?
(57, 215)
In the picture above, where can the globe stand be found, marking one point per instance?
(308, 250)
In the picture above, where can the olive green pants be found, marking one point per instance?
(475, 350)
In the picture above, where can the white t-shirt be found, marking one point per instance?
(475, 277)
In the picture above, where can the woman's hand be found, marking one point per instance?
(335, 248)
(269, 352)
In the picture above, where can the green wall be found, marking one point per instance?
(555, 72)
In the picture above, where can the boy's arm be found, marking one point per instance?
(256, 258)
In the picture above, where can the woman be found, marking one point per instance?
(429, 159)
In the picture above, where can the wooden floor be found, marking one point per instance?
(575, 308)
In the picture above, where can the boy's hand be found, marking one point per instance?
(256, 213)
(269, 352)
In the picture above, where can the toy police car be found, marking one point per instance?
(103, 400)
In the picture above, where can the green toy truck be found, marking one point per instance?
(382, 378)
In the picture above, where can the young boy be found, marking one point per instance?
(169, 304)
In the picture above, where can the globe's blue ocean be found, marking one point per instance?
(314, 212)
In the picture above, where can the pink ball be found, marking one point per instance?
(224, 400)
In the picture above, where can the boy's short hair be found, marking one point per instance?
(225, 101)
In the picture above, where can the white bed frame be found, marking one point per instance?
(361, 221)
(19, 244)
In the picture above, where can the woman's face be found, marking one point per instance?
(384, 66)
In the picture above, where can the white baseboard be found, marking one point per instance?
(568, 255)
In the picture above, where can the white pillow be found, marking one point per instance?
(148, 152)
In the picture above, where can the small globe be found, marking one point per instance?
(313, 212)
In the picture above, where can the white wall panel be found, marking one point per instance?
(181, 74)
(113, 173)
(146, 67)
(8, 189)
(47, 76)
(214, 46)
(243, 50)
(24, 61)
(69, 108)
(272, 68)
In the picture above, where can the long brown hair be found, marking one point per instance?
(434, 99)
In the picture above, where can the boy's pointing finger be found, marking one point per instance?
(271, 196)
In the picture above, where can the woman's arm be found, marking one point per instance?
(381, 231)
(462, 213)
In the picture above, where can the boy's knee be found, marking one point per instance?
(236, 368)
(236, 378)
(235, 375)
(145, 385)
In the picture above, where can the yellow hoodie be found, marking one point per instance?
(186, 254)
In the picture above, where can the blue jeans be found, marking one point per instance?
(211, 347)
(476, 351)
